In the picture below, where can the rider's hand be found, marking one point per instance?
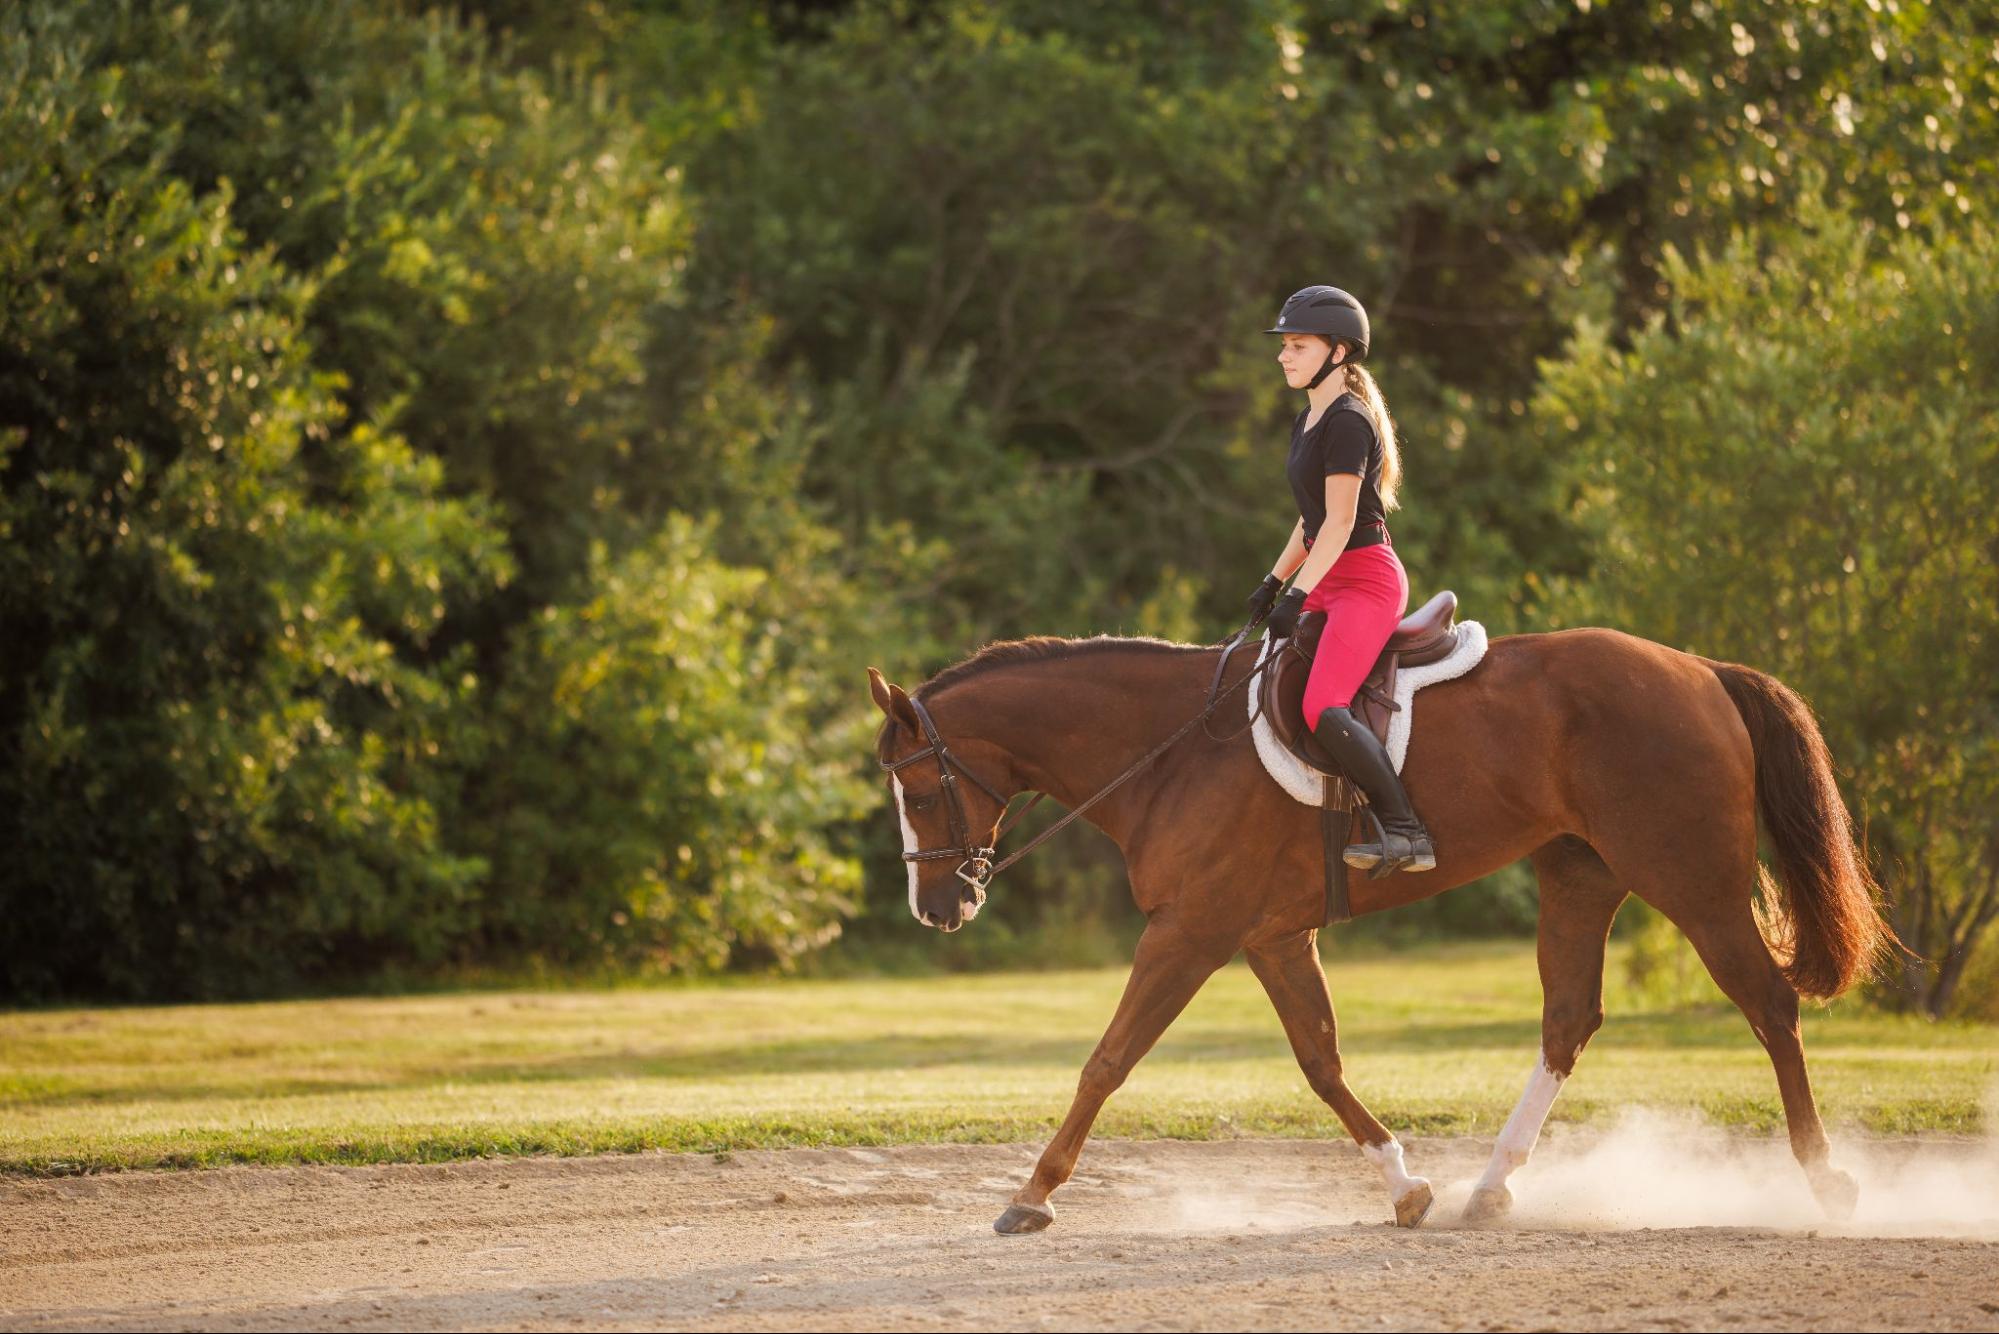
(1284, 619)
(1265, 595)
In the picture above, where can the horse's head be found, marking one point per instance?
(948, 811)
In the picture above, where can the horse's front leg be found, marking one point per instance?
(1168, 968)
(1290, 972)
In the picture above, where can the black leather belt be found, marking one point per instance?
(1370, 534)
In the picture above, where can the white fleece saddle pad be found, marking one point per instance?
(1300, 779)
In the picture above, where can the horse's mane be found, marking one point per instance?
(1037, 648)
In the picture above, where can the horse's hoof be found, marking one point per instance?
(1020, 1218)
(1488, 1204)
(1837, 1193)
(1413, 1208)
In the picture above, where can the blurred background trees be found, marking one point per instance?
(456, 462)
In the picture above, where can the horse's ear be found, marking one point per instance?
(892, 700)
(879, 687)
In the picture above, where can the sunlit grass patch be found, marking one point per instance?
(1436, 1041)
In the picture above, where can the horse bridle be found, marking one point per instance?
(980, 859)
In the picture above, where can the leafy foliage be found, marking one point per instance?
(455, 463)
(218, 771)
(296, 590)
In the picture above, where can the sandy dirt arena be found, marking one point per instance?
(1252, 1234)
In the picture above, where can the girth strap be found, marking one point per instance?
(1335, 823)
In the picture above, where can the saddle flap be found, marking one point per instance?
(1376, 700)
(1284, 682)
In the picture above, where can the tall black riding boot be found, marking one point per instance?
(1405, 843)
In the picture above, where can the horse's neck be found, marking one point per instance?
(1069, 726)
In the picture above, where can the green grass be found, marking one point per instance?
(1436, 1041)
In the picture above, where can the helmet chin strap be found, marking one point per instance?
(1324, 370)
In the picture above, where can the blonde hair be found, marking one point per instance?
(1362, 384)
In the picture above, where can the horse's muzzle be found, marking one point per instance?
(971, 898)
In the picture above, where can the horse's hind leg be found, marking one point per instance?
(1726, 936)
(1579, 897)
(1290, 972)
(1703, 885)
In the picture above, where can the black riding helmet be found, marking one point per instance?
(1329, 312)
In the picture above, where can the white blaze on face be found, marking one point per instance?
(908, 843)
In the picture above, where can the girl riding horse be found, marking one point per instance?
(1344, 470)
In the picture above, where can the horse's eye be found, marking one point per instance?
(922, 803)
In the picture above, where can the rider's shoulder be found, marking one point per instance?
(1354, 403)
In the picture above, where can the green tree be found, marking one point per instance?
(357, 611)
(219, 771)
(662, 784)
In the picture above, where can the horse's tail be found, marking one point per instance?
(1829, 922)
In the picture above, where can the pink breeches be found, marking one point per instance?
(1364, 596)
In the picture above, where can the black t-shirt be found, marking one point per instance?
(1342, 440)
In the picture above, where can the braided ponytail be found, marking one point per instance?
(1362, 384)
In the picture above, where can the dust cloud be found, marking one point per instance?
(1665, 1170)
(1649, 1169)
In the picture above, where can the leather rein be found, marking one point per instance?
(980, 859)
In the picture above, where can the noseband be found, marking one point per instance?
(980, 859)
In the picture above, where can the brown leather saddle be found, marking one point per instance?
(1425, 635)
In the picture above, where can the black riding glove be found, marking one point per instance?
(1284, 619)
(1265, 595)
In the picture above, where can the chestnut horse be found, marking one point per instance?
(1618, 765)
